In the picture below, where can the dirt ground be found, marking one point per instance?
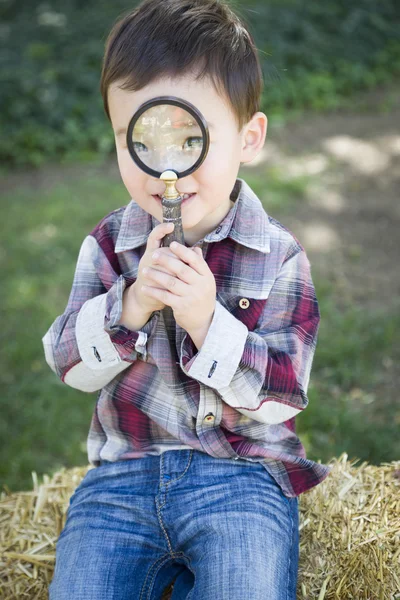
(349, 222)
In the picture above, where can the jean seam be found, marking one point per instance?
(291, 550)
(180, 476)
(159, 507)
(171, 480)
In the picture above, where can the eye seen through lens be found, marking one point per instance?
(167, 137)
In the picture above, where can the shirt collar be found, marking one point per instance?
(247, 223)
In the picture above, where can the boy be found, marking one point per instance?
(201, 353)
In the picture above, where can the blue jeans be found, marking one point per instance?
(221, 528)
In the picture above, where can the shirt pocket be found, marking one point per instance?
(244, 307)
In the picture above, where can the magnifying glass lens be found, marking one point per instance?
(166, 135)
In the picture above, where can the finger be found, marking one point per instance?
(163, 295)
(174, 265)
(166, 281)
(158, 233)
(190, 257)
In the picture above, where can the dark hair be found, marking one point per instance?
(171, 38)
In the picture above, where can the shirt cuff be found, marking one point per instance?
(218, 359)
(101, 341)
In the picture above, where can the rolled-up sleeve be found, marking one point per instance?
(85, 346)
(264, 374)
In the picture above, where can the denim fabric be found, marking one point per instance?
(220, 528)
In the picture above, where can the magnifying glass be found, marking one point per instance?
(168, 138)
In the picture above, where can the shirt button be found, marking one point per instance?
(244, 303)
(209, 418)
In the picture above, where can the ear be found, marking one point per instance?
(253, 137)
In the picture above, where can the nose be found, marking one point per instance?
(186, 185)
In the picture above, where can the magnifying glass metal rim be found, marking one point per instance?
(188, 107)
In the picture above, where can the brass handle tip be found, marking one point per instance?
(169, 176)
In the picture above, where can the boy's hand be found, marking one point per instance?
(147, 302)
(186, 284)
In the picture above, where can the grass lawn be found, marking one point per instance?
(45, 423)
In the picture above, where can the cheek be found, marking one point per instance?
(220, 169)
(124, 160)
(130, 173)
(220, 158)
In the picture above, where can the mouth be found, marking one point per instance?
(186, 198)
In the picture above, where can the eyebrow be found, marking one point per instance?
(122, 130)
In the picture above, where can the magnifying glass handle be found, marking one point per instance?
(172, 213)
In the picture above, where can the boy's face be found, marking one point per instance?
(213, 181)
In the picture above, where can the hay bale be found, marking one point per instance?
(349, 534)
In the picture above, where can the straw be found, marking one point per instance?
(349, 534)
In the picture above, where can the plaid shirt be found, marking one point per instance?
(236, 397)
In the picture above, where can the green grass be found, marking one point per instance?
(45, 423)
